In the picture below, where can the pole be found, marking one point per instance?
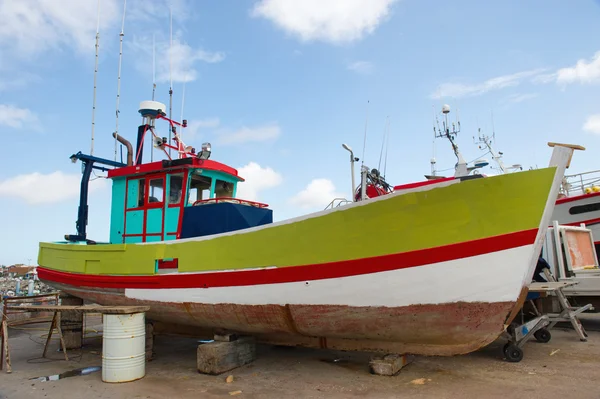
(352, 172)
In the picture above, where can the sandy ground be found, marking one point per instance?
(562, 368)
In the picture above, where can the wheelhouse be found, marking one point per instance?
(179, 198)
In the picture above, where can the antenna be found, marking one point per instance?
(95, 78)
(493, 127)
(153, 83)
(383, 142)
(461, 166)
(119, 76)
(365, 139)
(387, 145)
(181, 120)
(170, 72)
(153, 65)
(435, 121)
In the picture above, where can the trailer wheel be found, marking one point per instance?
(542, 335)
(513, 353)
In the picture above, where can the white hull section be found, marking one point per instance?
(492, 277)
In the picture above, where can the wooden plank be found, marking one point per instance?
(83, 309)
(50, 331)
(550, 286)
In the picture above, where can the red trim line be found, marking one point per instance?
(422, 183)
(297, 273)
(153, 167)
(576, 198)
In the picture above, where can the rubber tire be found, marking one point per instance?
(513, 353)
(542, 335)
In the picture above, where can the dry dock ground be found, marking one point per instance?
(562, 368)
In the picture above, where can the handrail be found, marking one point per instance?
(342, 201)
(216, 200)
(578, 183)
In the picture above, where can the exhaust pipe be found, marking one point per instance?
(127, 144)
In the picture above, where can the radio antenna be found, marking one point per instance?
(365, 139)
(153, 66)
(119, 76)
(95, 78)
(170, 74)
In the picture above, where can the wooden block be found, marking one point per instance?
(217, 357)
(388, 365)
(225, 337)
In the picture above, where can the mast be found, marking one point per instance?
(119, 77)
(461, 165)
(95, 78)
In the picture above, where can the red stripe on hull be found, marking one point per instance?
(576, 198)
(296, 273)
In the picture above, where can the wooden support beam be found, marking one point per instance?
(388, 365)
(218, 357)
(5, 350)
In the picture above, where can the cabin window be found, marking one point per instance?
(135, 193)
(576, 210)
(223, 189)
(175, 188)
(156, 194)
(199, 188)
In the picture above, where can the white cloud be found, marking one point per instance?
(362, 67)
(458, 90)
(317, 194)
(592, 124)
(14, 79)
(582, 72)
(35, 26)
(196, 125)
(520, 97)
(245, 134)
(37, 188)
(333, 21)
(178, 61)
(257, 179)
(17, 118)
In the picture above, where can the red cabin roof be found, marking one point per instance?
(174, 164)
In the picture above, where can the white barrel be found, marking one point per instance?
(123, 347)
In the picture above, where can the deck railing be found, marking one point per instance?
(337, 202)
(577, 183)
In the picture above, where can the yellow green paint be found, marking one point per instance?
(466, 211)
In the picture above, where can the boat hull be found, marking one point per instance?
(432, 271)
(443, 308)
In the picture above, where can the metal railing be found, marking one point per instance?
(337, 202)
(577, 183)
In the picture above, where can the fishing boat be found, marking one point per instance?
(434, 269)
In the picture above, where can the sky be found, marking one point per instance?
(276, 86)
